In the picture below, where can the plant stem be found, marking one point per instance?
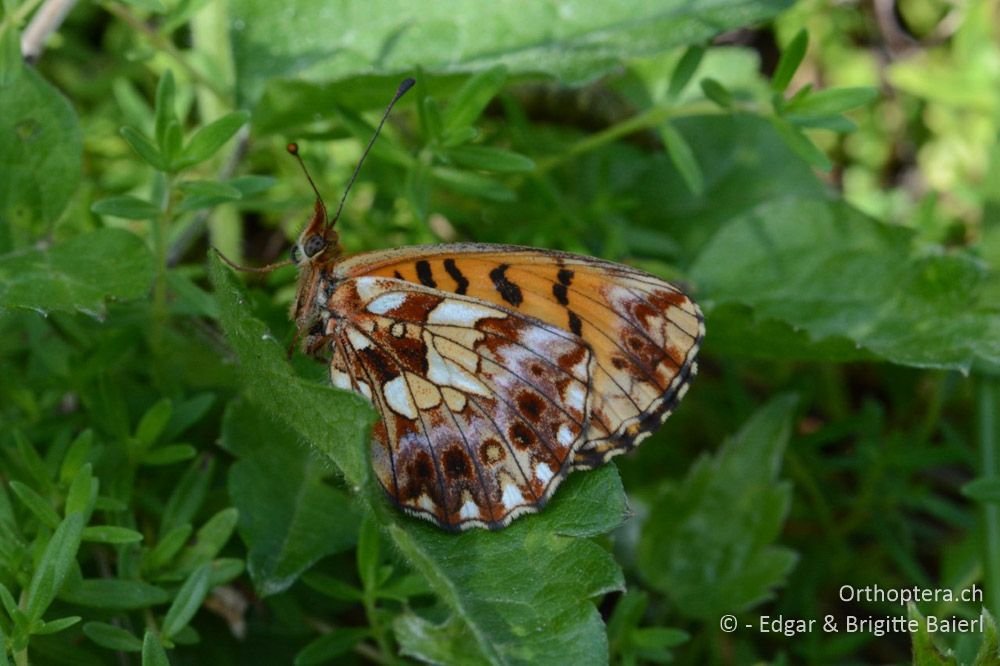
(21, 657)
(160, 236)
(989, 458)
(378, 630)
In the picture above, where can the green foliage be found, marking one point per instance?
(174, 489)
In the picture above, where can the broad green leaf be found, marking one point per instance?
(153, 653)
(112, 637)
(210, 138)
(707, 542)
(58, 556)
(328, 647)
(289, 518)
(127, 206)
(114, 594)
(334, 421)
(575, 42)
(824, 268)
(450, 642)
(187, 602)
(41, 151)
(78, 274)
(488, 158)
(788, 63)
(525, 593)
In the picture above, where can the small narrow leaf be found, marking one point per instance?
(474, 184)
(114, 594)
(55, 626)
(831, 101)
(153, 421)
(210, 138)
(82, 493)
(168, 455)
(685, 69)
(127, 206)
(189, 494)
(40, 507)
(144, 148)
(59, 555)
(110, 534)
(112, 637)
(75, 456)
(163, 109)
(716, 92)
(326, 648)
(187, 602)
(683, 158)
(488, 158)
(983, 489)
(789, 61)
(470, 100)
(801, 144)
(153, 653)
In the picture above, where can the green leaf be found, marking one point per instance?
(717, 92)
(112, 637)
(825, 268)
(167, 548)
(465, 36)
(153, 421)
(983, 489)
(187, 602)
(211, 538)
(334, 421)
(488, 158)
(801, 144)
(11, 59)
(524, 593)
(154, 6)
(128, 207)
(831, 101)
(789, 61)
(40, 507)
(289, 518)
(448, 643)
(685, 69)
(170, 454)
(473, 184)
(3, 638)
(210, 138)
(111, 534)
(76, 456)
(206, 193)
(55, 626)
(188, 495)
(682, 156)
(144, 148)
(707, 543)
(153, 653)
(78, 274)
(82, 493)
(338, 642)
(164, 110)
(925, 653)
(332, 587)
(114, 594)
(468, 103)
(41, 147)
(58, 556)
(989, 649)
(368, 554)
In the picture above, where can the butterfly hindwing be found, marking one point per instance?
(482, 407)
(643, 332)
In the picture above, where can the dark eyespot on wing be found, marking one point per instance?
(509, 291)
(461, 282)
(424, 274)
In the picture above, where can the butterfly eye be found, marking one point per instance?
(314, 245)
(295, 254)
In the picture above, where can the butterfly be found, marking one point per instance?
(496, 369)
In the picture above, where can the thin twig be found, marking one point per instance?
(45, 21)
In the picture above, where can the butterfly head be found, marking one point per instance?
(318, 243)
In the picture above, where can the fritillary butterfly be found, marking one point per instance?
(497, 370)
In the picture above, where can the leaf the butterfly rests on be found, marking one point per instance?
(497, 370)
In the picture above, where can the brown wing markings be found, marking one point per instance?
(510, 450)
(475, 461)
(443, 505)
(697, 315)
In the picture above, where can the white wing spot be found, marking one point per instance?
(450, 312)
(575, 397)
(341, 379)
(542, 472)
(357, 339)
(469, 510)
(397, 396)
(512, 496)
(565, 435)
(386, 302)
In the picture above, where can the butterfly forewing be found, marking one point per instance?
(482, 406)
(643, 332)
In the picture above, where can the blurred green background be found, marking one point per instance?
(823, 177)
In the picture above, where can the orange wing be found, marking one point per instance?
(643, 332)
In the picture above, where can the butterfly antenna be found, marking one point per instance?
(252, 269)
(293, 149)
(403, 87)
